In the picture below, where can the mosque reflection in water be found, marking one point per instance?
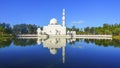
(53, 44)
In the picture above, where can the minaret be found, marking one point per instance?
(63, 18)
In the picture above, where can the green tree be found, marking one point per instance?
(2, 30)
(25, 29)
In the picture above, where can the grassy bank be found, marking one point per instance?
(116, 37)
(6, 36)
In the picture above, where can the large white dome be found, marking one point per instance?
(53, 21)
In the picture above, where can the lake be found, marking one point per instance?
(59, 53)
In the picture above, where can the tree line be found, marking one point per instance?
(106, 29)
(25, 29)
(113, 29)
(5, 28)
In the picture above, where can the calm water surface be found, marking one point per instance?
(59, 53)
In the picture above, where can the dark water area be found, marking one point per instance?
(59, 53)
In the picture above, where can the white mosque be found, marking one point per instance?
(54, 28)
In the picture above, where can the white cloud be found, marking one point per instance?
(77, 22)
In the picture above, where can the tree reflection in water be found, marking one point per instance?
(33, 42)
(5, 42)
(103, 42)
(24, 42)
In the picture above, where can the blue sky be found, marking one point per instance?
(81, 13)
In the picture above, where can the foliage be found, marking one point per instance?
(106, 29)
(24, 29)
(1, 31)
(5, 29)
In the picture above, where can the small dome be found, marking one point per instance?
(53, 21)
(38, 29)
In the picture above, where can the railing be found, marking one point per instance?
(93, 35)
(27, 35)
(68, 36)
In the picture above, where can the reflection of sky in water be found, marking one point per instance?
(60, 53)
